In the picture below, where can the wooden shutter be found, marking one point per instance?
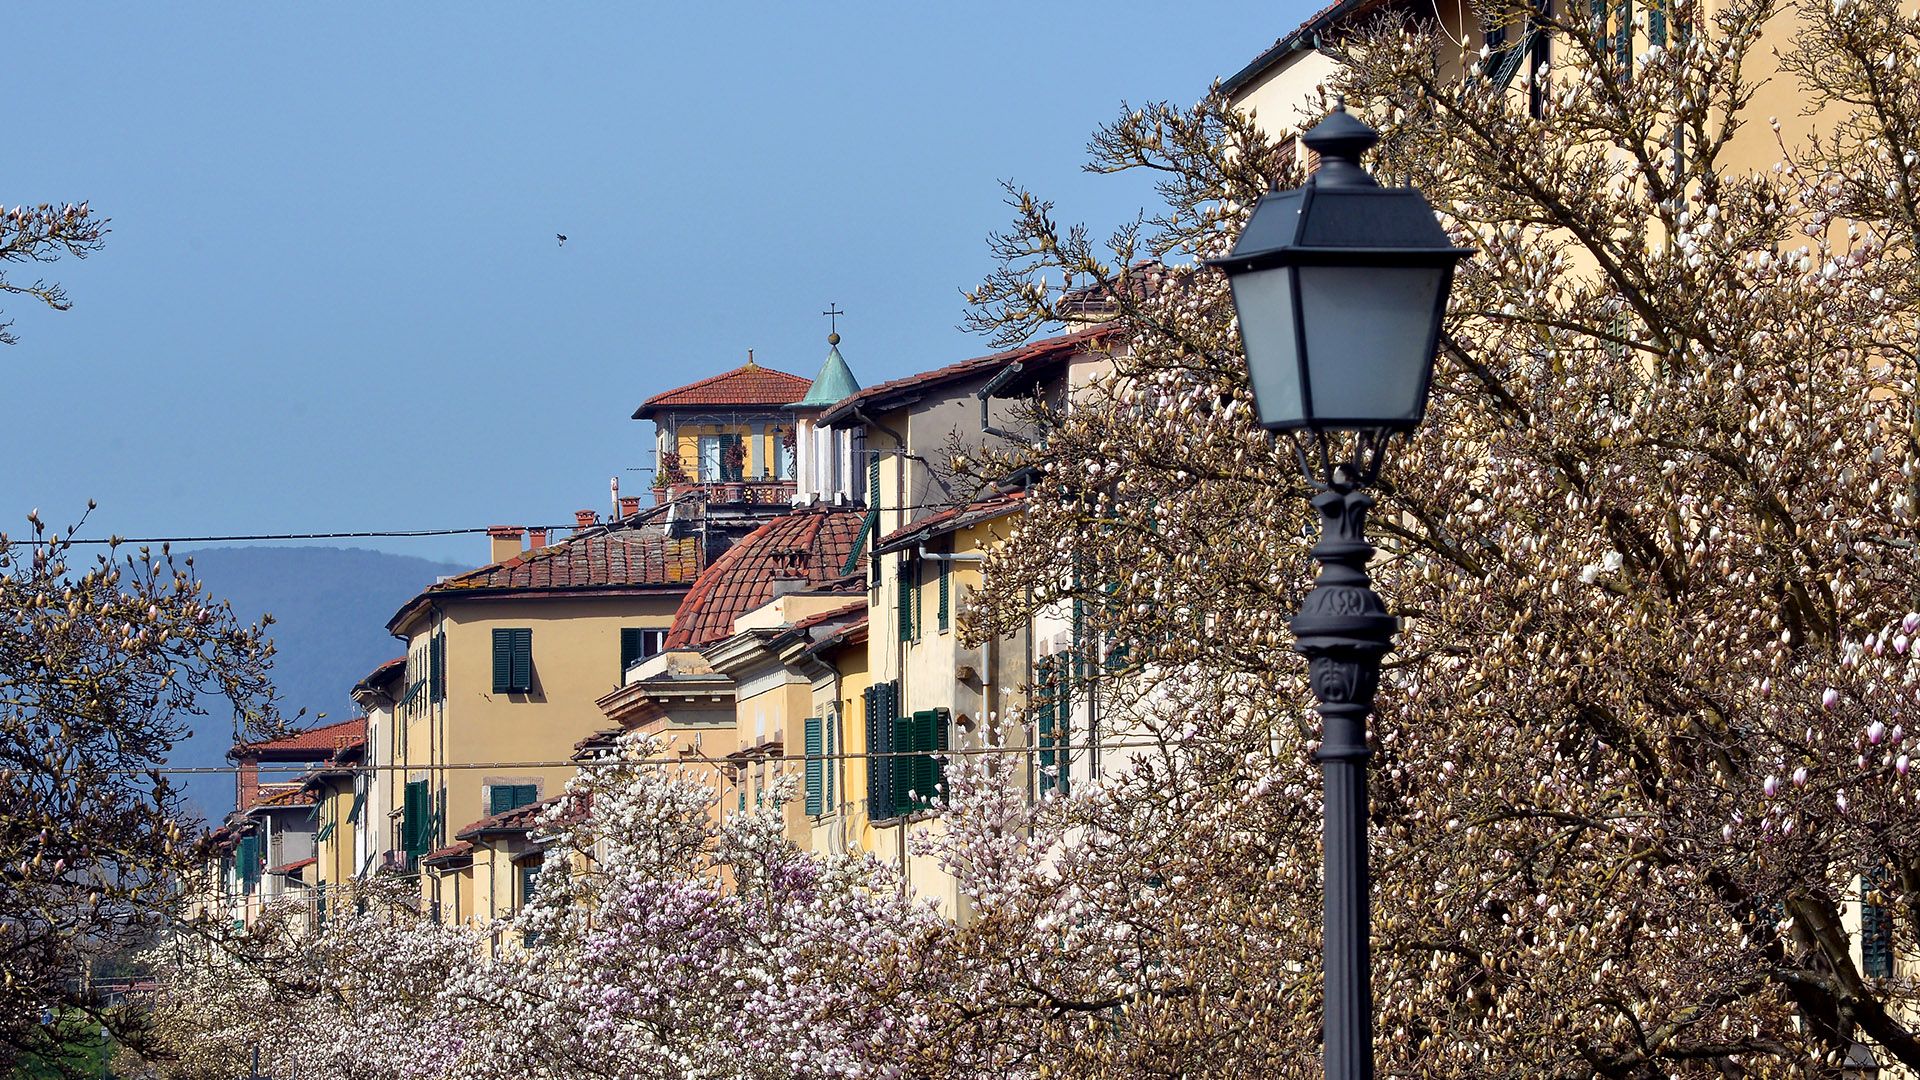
(632, 646)
(832, 724)
(872, 702)
(504, 797)
(946, 596)
(414, 818)
(905, 600)
(816, 788)
(929, 740)
(502, 661)
(523, 660)
(903, 767)
(1876, 927)
(437, 667)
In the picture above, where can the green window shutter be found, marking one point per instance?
(872, 746)
(504, 797)
(415, 817)
(437, 667)
(904, 617)
(359, 803)
(632, 642)
(832, 725)
(929, 741)
(502, 660)
(743, 794)
(1052, 713)
(1657, 23)
(919, 623)
(523, 660)
(946, 596)
(1876, 927)
(903, 767)
(816, 773)
(529, 881)
(325, 832)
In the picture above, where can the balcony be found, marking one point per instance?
(731, 492)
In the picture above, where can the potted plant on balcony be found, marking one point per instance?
(671, 474)
(733, 468)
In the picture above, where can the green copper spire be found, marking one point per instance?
(834, 382)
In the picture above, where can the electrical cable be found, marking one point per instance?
(384, 534)
(748, 758)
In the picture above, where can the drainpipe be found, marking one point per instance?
(986, 394)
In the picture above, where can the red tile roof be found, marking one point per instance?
(812, 543)
(293, 795)
(828, 616)
(298, 864)
(381, 675)
(518, 819)
(748, 384)
(313, 744)
(895, 391)
(447, 854)
(619, 557)
(952, 519)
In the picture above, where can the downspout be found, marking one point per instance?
(986, 394)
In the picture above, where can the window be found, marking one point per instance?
(637, 644)
(504, 797)
(908, 773)
(946, 595)
(416, 821)
(1613, 25)
(1876, 926)
(529, 882)
(1053, 721)
(816, 772)
(437, 667)
(722, 457)
(821, 745)
(905, 582)
(512, 661)
(882, 701)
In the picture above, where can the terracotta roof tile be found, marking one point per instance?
(447, 854)
(297, 864)
(748, 384)
(618, 557)
(883, 395)
(813, 544)
(314, 744)
(953, 519)
(518, 819)
(828, 616)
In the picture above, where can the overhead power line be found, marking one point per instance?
(269, 775)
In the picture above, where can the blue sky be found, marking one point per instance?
(332, 298)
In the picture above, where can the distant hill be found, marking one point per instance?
(330, 608)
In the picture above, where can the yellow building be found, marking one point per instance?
(338, 788)
(504, 666)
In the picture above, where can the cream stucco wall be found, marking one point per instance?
(516, 737)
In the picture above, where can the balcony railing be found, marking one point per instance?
(734, 492)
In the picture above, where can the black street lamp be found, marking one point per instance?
(1340, 286)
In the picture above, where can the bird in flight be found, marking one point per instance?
(562, 237)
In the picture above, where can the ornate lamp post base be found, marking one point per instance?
(1344, 630)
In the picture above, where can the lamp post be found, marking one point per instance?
(1340, 286)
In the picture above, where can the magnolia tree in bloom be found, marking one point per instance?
(1642, 759)
(663, 941)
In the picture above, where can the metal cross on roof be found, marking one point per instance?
(833, 314)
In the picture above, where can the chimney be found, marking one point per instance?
(613, 485)
(629, 505)
(249, 777)
(584, 519)
(506, 541)
(536, 538)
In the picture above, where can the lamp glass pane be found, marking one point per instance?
(1264, 301)
(1369, 334)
